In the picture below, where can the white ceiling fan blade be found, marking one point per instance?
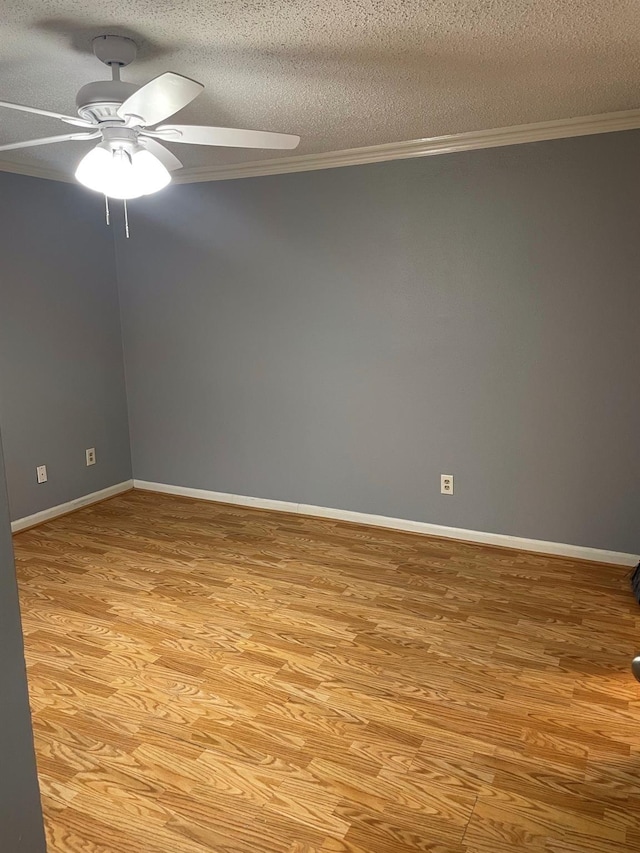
(80, 122)
(227, 137)
(48, 140)
(166, 157)
(160, 98)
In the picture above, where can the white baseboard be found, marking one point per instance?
(539, 546)
(70, 506)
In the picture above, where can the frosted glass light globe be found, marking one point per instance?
(119, 174)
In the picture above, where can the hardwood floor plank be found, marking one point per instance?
(215, 678)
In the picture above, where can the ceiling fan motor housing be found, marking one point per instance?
(99, 101)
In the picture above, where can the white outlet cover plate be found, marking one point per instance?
(446, 484)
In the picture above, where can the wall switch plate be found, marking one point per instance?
(41, 473)
(446, 484)
(90, 454)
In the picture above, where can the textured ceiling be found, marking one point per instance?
(341, 73)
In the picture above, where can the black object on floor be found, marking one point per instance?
(635, 582)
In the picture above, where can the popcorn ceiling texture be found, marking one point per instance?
(341, 73)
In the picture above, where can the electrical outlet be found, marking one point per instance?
(446, 484)
(90, 454)
(41, 473)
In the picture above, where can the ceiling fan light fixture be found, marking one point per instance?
(122, 173)
(98, 171)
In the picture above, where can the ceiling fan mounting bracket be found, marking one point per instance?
(114, 50)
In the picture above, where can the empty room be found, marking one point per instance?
(320, 427)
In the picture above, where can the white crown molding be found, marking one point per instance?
(537, 546)
(427, 147)
(474, 140)
(36, 172)
(63, 509)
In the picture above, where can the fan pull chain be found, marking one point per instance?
(106, 210)
(126, 220)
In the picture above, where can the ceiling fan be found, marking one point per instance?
(130, 160)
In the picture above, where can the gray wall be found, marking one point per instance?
(342, 337)
(61, 368)
(21, 828)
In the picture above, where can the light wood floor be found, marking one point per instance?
(211, 678)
